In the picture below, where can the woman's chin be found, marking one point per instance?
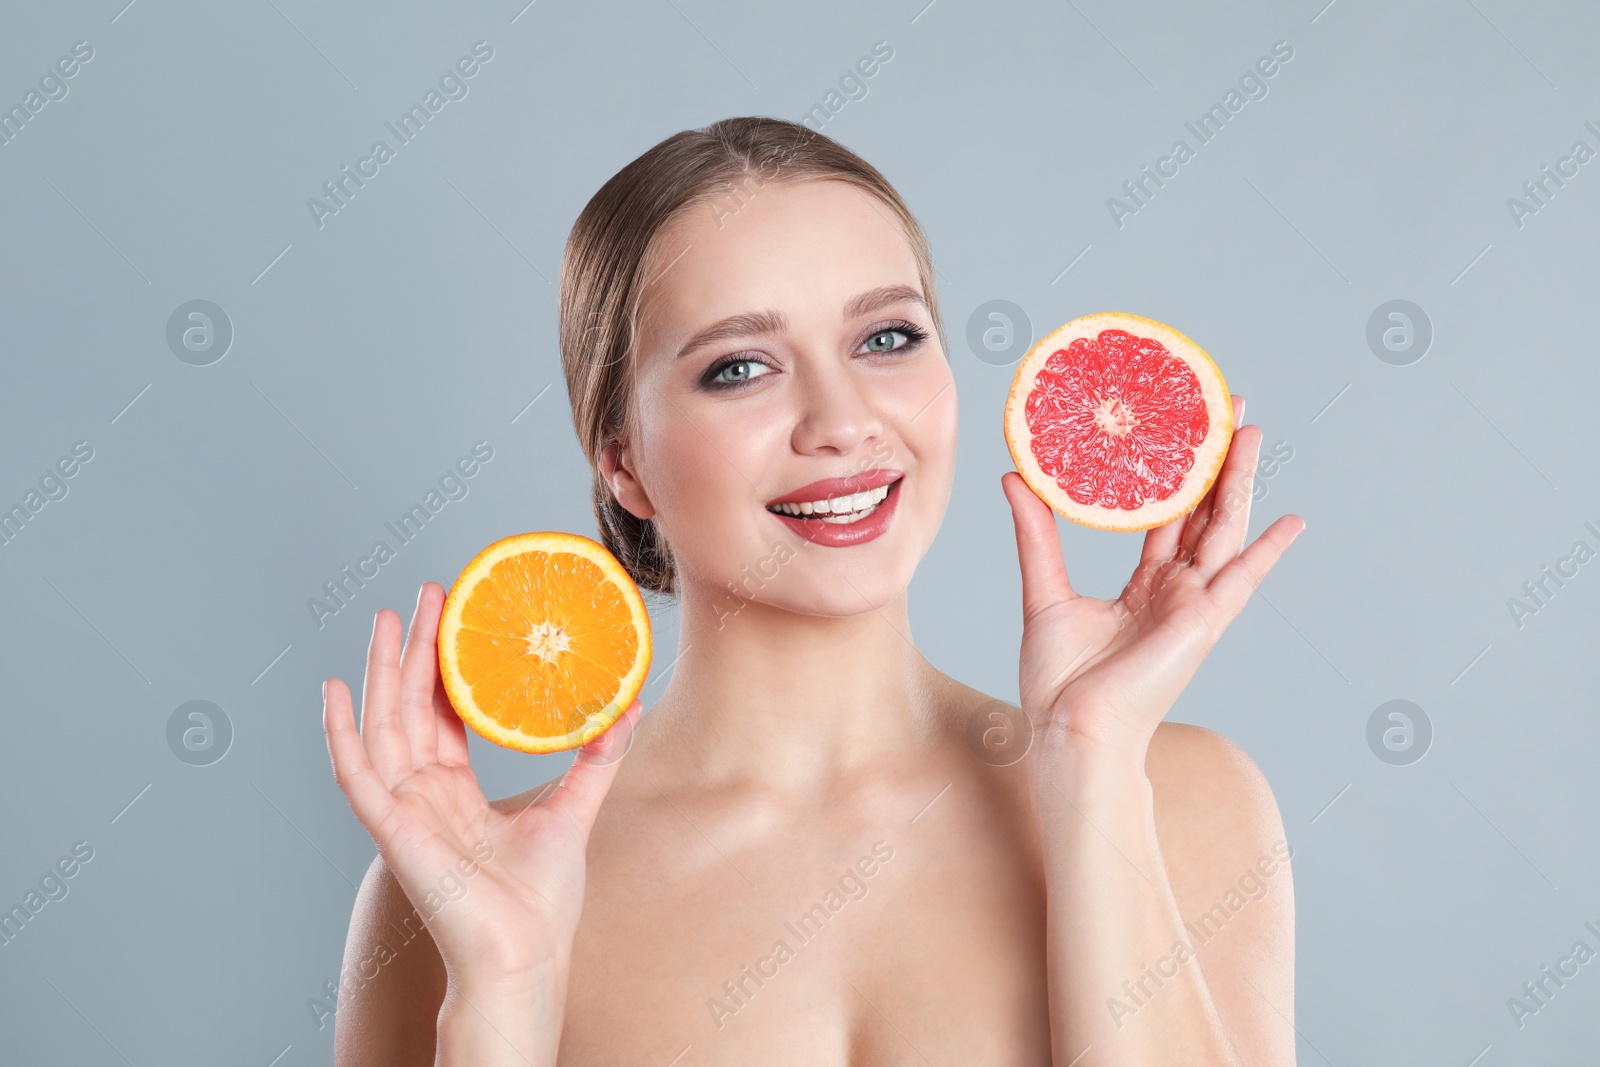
(787, 574)
(840, 591)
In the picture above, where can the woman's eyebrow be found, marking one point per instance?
(873, 299)
(770, 321)
(743, 325)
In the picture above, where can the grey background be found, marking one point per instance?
(371, 353)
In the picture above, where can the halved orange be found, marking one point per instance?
(544, 642)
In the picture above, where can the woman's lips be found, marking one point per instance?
(830, 488)
(816, 529)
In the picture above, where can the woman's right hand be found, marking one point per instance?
(508, 938)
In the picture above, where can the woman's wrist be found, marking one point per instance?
(1085, 777)
(492, 1019)
(1096, 811)
(478, 1033)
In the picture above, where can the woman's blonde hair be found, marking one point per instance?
(602, 282)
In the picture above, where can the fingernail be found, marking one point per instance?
(324, 690)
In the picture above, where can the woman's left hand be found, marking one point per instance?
(1099, 675)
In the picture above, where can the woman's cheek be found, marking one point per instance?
(709, 471)
(930, 413)
(931, 438)
(734, 444)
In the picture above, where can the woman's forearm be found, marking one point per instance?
(1125, 989)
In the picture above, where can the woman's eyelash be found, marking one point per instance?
(914, 335)
(709, 379)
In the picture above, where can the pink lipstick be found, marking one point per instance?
(839, 512)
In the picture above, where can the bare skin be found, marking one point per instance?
(805, 759)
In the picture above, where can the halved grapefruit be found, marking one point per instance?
(544, 642)
(1118, 422)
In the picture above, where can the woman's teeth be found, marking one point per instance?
(839, 509)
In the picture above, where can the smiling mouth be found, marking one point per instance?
(839, 510)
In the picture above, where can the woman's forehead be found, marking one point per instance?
(806, 248)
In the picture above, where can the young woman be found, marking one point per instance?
(804, 858)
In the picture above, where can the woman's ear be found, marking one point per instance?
(617, 470)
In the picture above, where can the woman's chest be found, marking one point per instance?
(887, 947)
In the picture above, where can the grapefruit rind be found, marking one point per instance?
(460, 692)
(1208, 457)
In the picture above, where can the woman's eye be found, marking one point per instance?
(885, 341)
(740, 370)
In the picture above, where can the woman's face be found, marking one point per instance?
(784, 342)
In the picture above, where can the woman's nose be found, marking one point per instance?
(837, 413)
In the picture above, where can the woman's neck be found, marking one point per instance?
(790, 703)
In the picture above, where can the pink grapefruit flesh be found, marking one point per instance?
(1118, 422)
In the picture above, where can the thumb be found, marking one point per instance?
(584, 786)
(1044, 572)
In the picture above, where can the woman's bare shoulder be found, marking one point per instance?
(392, 982)
(1227, 858)
(1210, 795)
